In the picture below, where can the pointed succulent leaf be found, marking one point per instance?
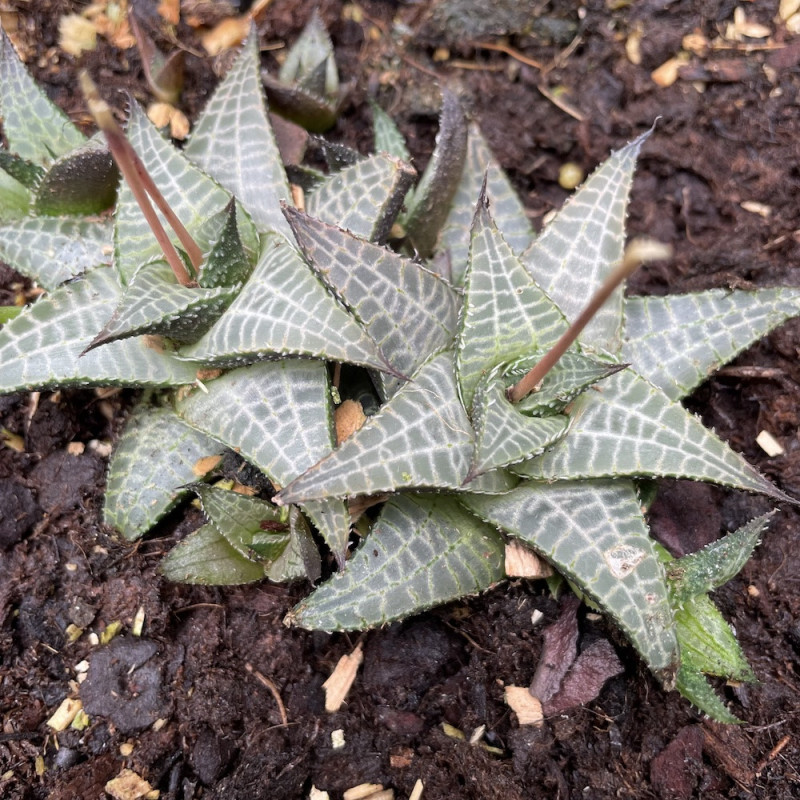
(7, 313)
(312, 49)
(679, 340)
(157, 455)
(300, 106)
(84, 181)
(421, 438)
(573, 374)
(495, 481)
(301, 558)
(694, 686)
(409, 311)
(60, 326)
(155, 303)
(595, 535)
(504, 314)
(192, 195)
(337, 156)
(718, 562)
(633, 429)
(503, 434)
(285, 309)
(206, 558)
(51, 250)
(254, 528)
(278, 416)
(26, 172)
(364, 198)
(233, 142)
(388, 138)
(507, 209)
(576, 252)
(15, 198)
(35, 128)
(433, 195)
(228, 263)
(421, 552)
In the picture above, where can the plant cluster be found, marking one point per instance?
(484, 411)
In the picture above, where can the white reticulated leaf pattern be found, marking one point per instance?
(593, 532)
(422, 551)
(34, 128)
(679, 340)
(363, 198)
(584, 242)
(409, 311)
(420, 438)
(156, 456)
(277, 415)
(51, 250)
(631, 428)
(59, 327)
(504, 314)
(507, 210)
(284, 309)
(233, 142)
(192, 195)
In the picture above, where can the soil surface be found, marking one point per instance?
(217, 699)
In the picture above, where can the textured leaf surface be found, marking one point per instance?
(205, 557)
(506, 208)
(595, 535)
(228, 263)
(154, 302)
(15, 199)
(301, 558)
(422, 551)
(695, 687)
(234, 143)
(277, 415)
(503, 434)
(60, 327)
(679, 340)
(420, 438)
(157, 455)
(285, 309)
(310, 62)
(408, 311)
(364, 198)
(435, 191)
(192, 195)
(631, 428)
(505, 314)
(25, 172)
(577, 250)
(52, 250)
(34, 128)
(388, 138)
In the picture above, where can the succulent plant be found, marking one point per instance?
(487, 419)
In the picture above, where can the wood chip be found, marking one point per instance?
(204, 465)
(228, 33)
(349, 417)
(341, 679)
(667, 73)
(527, 707)
(318, 794)
(362, 791)
(64, 714)
(128, 786)
(522, 562)
(755, 207)
(769, 444)
(416, 792)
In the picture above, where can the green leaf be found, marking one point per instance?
(503, 434)
(409, 311)
(632, 429)
(8, 313)
(278, 416)
(420, 438)
(233, 142)
(301, 558)
(679, 340)
(285, 309)
(157, 455)
(228, 263)
(421, 552)
(718, 562)
(437, 187)
(15, 199)
(254, 528)
(35, 128)
(578, 249)
(310, 63)
(26, 172)
(364, 198)
(84, 181)
(192, 195)
(508, 211)
(504, 314)
(52, 250)
(155, 303)
(299, 105)
(388, 138)
(594, 534)
(206, 558)
(696, 688)
(60, 326)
